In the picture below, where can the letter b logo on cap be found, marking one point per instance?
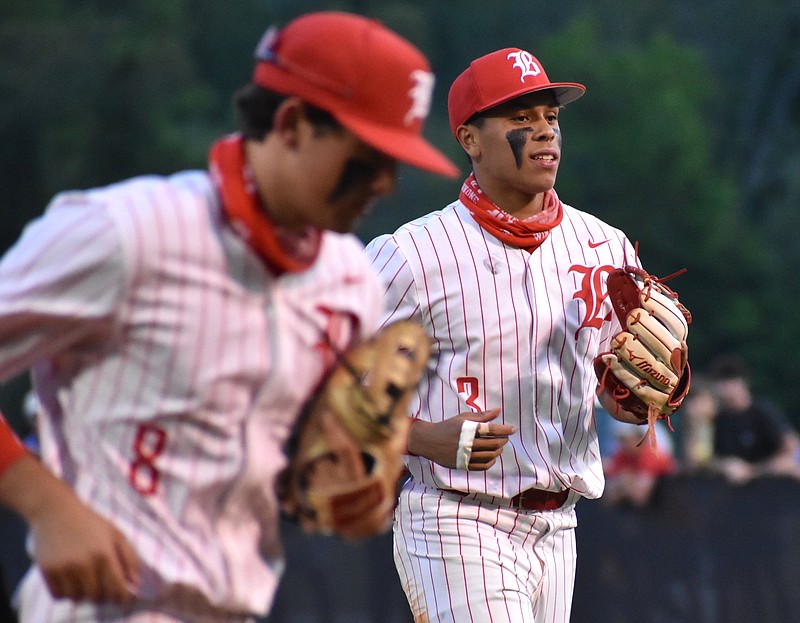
(525, 62)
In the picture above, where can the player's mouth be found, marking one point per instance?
(545, 158)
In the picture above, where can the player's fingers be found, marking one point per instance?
(112, 590)
(489, 444)
(485, 416)
(107, 582)
(494, 430)
(100, 578)
(488, 429)
(481, 461)
(55, 584)
(70, 582)
(114, 583)
(129, 564)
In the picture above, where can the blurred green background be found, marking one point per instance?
(688, 138)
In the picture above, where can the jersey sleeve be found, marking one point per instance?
(59, 284)
(400, 296)
(11, 448)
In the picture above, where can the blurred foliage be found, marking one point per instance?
(688, 138)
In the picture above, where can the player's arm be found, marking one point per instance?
(80, 554)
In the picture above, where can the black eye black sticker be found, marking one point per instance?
(356, 172)
(517, 139)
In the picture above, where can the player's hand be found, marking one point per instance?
(439, 441)
(81, 555)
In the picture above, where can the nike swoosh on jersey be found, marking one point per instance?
(594, 245)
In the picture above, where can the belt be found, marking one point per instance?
(529, 500)
(538, 500)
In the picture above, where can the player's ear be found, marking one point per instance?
(468, 139)
(287, 120)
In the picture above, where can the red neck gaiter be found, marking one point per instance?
(525, 234)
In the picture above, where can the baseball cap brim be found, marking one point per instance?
(405, 146)
(565, 92)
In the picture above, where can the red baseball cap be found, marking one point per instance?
(373, 82)
(499, 77)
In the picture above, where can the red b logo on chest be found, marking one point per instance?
(340, 332)
(592, 292)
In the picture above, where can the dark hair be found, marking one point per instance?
(728, 366)
(477, 119)
(255, 110)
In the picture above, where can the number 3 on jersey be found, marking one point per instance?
(147, 446)
(468, 389)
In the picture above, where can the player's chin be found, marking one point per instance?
(540, 179)
(347, 218)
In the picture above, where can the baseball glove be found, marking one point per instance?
(345, 457)
(647, 370)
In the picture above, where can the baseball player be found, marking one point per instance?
(509, 282)
(176, 325)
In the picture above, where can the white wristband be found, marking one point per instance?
(465, 440)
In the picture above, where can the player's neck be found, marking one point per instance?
(519, 204)
(525, 206)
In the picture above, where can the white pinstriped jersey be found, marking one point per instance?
(171, 367)
(510, 329)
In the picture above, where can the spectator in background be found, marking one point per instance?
(752, 436)
(634, 468)
(698, 413)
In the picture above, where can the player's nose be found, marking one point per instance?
(544, 131)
